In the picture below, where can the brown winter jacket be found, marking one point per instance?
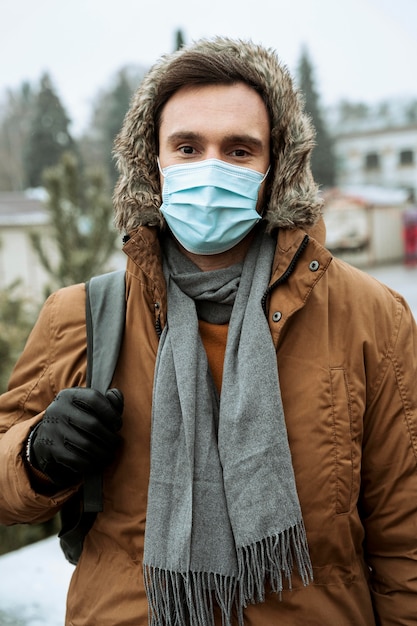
(346, 350)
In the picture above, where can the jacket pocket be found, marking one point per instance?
(342, 439)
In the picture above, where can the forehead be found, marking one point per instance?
(215, 108)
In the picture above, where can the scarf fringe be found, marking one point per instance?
(187, 599)
(272, 559)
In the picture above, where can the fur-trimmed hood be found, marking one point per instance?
(293, 199)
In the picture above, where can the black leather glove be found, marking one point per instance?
(77, 435)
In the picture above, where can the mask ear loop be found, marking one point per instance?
(159, 166)
(263, 179)
(266, 174)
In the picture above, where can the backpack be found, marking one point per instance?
(105, 321)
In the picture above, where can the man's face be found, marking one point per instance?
(226, 122)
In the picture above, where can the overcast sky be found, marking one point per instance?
(362, 50)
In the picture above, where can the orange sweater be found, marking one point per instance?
(214, 337)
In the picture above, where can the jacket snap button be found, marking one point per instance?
(276, 316)
(314, 266)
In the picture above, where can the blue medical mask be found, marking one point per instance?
(210, 206)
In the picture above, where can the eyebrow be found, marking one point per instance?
(248, 140)
(183, 136)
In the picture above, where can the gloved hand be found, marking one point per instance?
(77, 435)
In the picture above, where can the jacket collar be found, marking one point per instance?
(288, 246)
(300, 255)
(143, 250)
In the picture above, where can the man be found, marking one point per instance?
(278, 483)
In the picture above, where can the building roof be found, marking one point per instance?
(22, 209)
(395, 115)
(375, 195)
(365, 196)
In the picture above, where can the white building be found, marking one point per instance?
(21, 214)
(364, 224)
(376, 170)
(379, 148)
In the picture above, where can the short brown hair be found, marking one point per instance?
(196, 67)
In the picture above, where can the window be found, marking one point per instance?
(372, 161)
(406, 157)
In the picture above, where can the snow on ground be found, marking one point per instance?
(34, 583)
(34, 580)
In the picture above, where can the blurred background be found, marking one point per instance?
(68, 71)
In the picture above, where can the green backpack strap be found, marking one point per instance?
(105, 319)
(105, 322)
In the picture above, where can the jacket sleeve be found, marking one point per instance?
(54, 358)
(389, 476)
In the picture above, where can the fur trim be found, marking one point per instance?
(293, 199)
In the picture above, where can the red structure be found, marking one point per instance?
(410, 236)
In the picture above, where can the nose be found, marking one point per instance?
(213, 152)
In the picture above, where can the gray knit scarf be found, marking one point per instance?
(223, 514)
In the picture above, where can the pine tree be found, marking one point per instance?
(179, 39)
(16, 319)
(16, 114)
(49, 135)
(323, 159)
(81, 224)
(110, 110)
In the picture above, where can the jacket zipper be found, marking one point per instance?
(287, 272)
(158, 326)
